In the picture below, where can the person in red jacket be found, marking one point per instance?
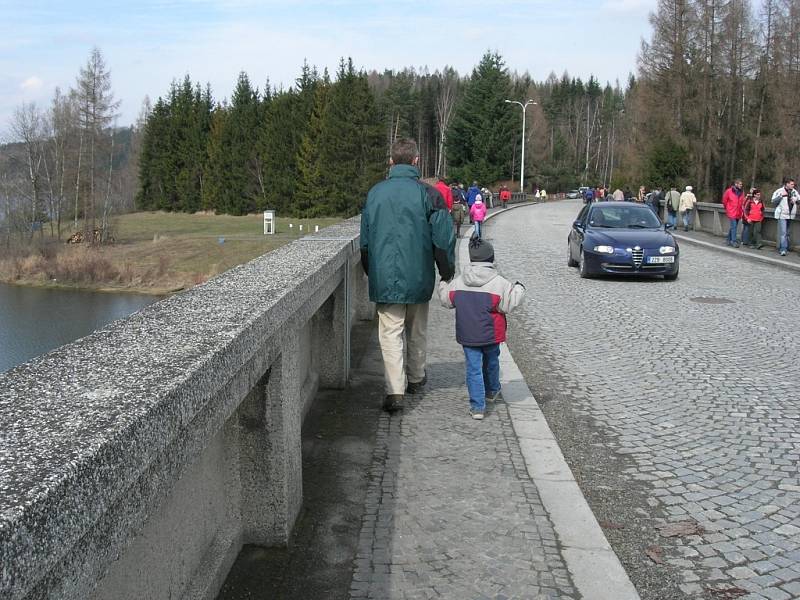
(505, 195)
(733, 201)
(445, 191)
(753, 217)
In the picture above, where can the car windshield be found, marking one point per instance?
(623, 217)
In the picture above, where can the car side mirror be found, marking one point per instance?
(576, 224)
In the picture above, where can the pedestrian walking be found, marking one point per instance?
(472, 193)
(444, 190)
(785, 200)
(488, 198)
(733, 201)
(505, 195)
(458, 212)
(673, 202)
(457, 190)
(753, 218)
(686, 206)
(478, 213)
(640, 197)
(654, 199)
(482, 298)
(405, 230)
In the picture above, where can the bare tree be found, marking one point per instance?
(60, 123)
(28, 128)
(448, 84)
(769, 13)
(96, 112)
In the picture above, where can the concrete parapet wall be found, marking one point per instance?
(710, 217)
(135, 462)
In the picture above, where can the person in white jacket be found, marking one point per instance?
(686, 206)
(785, 200)
(481, 298)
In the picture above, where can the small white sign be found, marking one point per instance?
(269, 222)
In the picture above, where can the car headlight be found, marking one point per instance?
(667, 250)
(604, 249)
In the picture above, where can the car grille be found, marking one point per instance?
(638, 256)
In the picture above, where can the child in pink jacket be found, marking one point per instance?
(478, 213)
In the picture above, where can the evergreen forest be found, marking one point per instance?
(712, 99)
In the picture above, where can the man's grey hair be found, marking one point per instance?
(404, 151)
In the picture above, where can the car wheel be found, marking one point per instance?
(571, 262)
(671, 276)
(582, 266)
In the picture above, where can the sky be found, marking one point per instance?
(148, 43)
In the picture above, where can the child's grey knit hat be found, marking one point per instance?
(480, 250)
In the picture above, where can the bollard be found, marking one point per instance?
(316, 228)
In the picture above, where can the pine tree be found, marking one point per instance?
(351, 143)
(281, 134)
(233, 169)
(310, 191)
(481, 138)
(154, 174)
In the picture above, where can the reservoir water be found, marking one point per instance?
(34, 321)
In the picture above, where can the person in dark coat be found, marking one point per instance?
(406, 229)
(654, 199)
(472, 193)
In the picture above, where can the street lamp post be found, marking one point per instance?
(522, 162)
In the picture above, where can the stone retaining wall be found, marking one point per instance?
(135, 462)
(710, 217)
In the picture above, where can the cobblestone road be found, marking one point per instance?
(668, 409)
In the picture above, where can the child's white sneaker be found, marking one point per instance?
(476, 414)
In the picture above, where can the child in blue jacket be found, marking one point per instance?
(481, 298)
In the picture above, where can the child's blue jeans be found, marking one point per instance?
(483, 374)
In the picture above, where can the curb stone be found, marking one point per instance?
(776, 262)
(595, 568)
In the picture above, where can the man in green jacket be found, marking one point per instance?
(405, 230)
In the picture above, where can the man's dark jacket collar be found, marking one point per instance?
(403, 171)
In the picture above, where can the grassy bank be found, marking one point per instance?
(153, 252)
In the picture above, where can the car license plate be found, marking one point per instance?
(660, 259)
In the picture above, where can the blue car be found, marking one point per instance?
(621, 238)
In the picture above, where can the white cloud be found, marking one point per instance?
(31, 84)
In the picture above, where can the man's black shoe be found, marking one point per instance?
(393, 402)
(416, 388)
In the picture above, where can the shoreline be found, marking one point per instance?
(102, 288)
